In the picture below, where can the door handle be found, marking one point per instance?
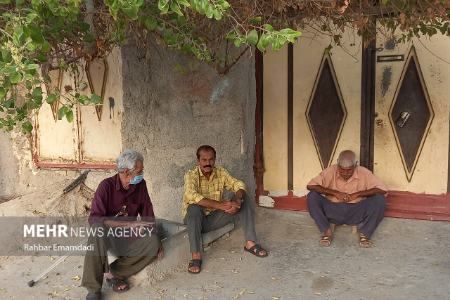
(402, 118)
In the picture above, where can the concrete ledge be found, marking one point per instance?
(211, 236)
(176, 252)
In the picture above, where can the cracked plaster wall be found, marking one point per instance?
(172, 105)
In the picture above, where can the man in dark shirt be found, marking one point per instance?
(115, 208)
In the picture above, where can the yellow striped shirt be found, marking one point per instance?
(198, 187)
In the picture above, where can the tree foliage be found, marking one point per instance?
(38, 36)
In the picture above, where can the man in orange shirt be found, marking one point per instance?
(346, 194)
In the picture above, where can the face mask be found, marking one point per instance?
(137, 179)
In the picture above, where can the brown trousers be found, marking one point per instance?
(133, 256)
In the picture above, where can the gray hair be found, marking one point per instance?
(127, 160)
(347, 159)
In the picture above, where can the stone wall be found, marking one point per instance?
(172, 105)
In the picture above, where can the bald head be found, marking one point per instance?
(347, 159)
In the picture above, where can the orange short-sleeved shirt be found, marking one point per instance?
(361, 180)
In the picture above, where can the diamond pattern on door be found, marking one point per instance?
(411, 114)
(326, 112)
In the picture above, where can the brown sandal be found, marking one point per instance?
(326, 240)
(364, 241)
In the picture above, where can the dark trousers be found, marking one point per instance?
(197, 223)
(133, 256)
(367, 213)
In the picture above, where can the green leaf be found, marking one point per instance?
(18, 36)
(46, 47)
(252, 37)
(28, 84)
(264, 41)
(204, 4)
(27, 127)
(277, 43)
(31, 46)
(268, 27)
(225, 5)
(51, 98)
(150, 23)
(83, 99)
(69, 115)
(37, 95)
(209, 12)
(95, 99)
(10, 103)
(217, 15)
(184, 3)
(31, 67)
(36, 34)
(176, 8)
(6, 55)
(15, 78)
(41, 57)
(131, 12)
(163, 6)
(2, 93)
(255, 20)
(62, 112)
(5, 1)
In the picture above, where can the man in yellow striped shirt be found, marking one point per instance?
(205, 210)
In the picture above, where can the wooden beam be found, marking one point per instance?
(290, 120)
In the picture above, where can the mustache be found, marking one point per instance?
(207, 166)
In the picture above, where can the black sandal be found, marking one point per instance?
(256, 249)
(116, 282)
(195, 263)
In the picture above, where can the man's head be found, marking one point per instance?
(130, 165)
(346, 164)
(206, 158)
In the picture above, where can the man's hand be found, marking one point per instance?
(231, 207)
(353, 197)
(342, 197)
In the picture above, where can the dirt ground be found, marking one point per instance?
(410, 260)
